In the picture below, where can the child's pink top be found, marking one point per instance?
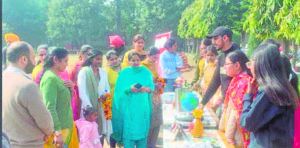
(88, 134)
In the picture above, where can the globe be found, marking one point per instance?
(189, 101)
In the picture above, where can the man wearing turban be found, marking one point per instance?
(9, 38)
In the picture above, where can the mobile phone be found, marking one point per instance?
(138, 85)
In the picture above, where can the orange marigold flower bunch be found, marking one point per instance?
(162, 81)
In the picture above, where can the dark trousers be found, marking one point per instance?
(152, 137)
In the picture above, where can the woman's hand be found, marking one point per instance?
(46, 138)
(252, 86)
(102, 98)
(196, 86)
(145, 89)
(58, 140)
(134, 89)
(68, 83)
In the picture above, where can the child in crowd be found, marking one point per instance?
(235, 66)
(209, 67)
(207, 72)
(88, 129)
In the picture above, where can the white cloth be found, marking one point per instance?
(84, 96)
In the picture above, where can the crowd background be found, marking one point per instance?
(190, 21)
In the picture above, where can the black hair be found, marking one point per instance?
(138, 37)
(240, 57)
(206, 42)
(91, 56)
(153, 51)
(57, 52)
(42, 46)
(291, 75)
(271, 41)
(110, 53)
(17, 50)
(212, 48)
(169, 43)
(85, 48)
(88, 111)
(272, 76)
(133, 53)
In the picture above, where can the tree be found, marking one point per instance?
(202, 17)
(289, 23)
(26, 19)
(76, 22)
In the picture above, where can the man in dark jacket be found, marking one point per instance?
(222, 39)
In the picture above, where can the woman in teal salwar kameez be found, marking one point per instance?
(131, 111)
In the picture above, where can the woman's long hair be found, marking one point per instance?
(241, 58)
(271, 76)
(57, 52)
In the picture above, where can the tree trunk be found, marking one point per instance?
(285, 46)
(243, 39)
(195, 46)
(295, 54)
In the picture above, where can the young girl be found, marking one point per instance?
(200, 63)
(93, 87)
(235, 66)
(113, 68)
(88, 129)
(209, 67)
(138, 46)
(269, 117)
(207, 72)
(156, 117)
(132, 104)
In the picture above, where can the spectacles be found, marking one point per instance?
(42, 55)
(248, 64)
(228, 64)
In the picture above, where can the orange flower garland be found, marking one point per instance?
(107, 104)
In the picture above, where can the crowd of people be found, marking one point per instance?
(46, 105)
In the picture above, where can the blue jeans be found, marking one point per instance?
(128, 143)
(170, 85)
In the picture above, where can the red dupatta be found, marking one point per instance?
(235, 92)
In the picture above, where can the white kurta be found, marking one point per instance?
(84, 96)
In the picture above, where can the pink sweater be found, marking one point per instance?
(88, 134)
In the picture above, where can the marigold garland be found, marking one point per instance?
(107, 104)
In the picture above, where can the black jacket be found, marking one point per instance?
(220, 77)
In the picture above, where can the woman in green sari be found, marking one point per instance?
(131, 111)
